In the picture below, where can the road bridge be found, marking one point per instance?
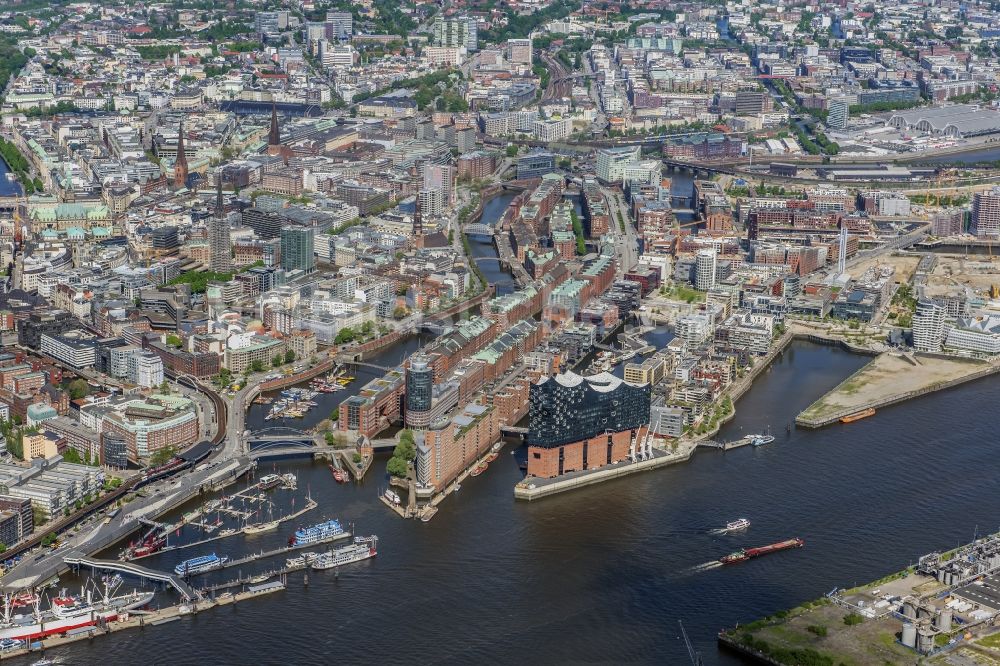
(478, 229)
(76, 559)
(513, 430)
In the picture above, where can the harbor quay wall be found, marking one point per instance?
(138, 620)
(524, 492)
(745, 651)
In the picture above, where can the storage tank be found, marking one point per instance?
(940, 575)
(909, 610)
(909, 638)
(944, 620)
(925, 641)
(925, 611)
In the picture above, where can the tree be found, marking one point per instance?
(257, 366)
(397, 467)
(328, 436)
(71, 455)
(289, 356)
(399, 312)
(37, 516)
(78, 388)
(276, 361)
(344, 335)
(367, 328)
(164, 387)
(406, 448)
(511, 150)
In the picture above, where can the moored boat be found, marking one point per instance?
(316, 533)
(200, 564)
(857, 416)
(257, 528)
(269, 481)
(361, 549)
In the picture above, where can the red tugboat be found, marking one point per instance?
(750, 553)
(338, 475)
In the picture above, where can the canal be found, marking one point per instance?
(327, 402)
(604, 574)
(8, 187)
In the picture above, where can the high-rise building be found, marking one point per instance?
(577, 423)
(457, 31)
(220, 246)
(986, 214)
(297, 249)
(611, 162)
(928, 326)
(339, 25)
(419, 386)
(270, 24)
(750, 102)
(443, 177)
(839, 112)
(704, 269)
(430, 202)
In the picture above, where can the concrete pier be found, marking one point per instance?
(892, 378)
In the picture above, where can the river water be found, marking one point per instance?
(604, 574)
(7, 187)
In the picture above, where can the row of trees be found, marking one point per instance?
(581, 245)
(348, 334)
(404, 453)
(19, 166)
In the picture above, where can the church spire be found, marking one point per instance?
(180, 163)
(274, 136)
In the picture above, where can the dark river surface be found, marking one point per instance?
(603, 574)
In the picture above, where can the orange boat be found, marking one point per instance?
(857, 416)
(480, 468)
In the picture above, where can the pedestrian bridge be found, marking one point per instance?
(76, 559)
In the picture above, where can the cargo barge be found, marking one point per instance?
(749, 553)
(857, 416)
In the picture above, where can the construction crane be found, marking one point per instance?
(693, 654)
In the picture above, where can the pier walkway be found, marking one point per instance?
(77, 559)
(726, 446)
(310, 505)
(253, 557)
